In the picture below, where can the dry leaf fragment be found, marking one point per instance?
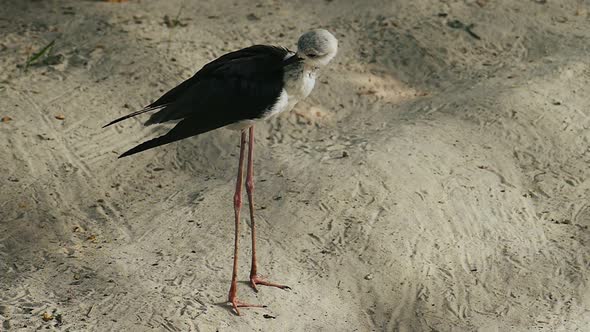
(6, 119)
(60, 117)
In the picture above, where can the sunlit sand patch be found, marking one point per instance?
(383, 86)
(312, 114)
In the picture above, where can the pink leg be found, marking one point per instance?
(233, 290)
(254, 278)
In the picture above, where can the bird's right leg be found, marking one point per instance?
(233, 290)
(255, 279)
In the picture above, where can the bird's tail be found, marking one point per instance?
(165, 139)
(183, 129)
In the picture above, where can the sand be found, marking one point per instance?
(433, 181)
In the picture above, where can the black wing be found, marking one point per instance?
(237, 86)
(240, 84)
(255, 55)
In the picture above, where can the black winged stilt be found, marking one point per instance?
(234, 91)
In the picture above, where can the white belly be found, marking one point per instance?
(293, 92)
(298, 86)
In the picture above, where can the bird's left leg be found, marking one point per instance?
(233, 291)
(255, 279)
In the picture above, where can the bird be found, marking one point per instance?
(236, 91)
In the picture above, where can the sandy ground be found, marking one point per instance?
(433, 181)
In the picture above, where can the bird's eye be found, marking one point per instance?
(311, 55)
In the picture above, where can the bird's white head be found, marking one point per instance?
(317, 47)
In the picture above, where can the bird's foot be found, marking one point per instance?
(235, 303)
(257, 280)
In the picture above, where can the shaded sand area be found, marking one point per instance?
(433, 181)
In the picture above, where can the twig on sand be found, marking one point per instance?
(456, 24)
(171, 24)
(35, 57)
(89, 310)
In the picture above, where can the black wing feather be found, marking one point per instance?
(146, 109)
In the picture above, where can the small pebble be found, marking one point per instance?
(47, 316)
(253, 17)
